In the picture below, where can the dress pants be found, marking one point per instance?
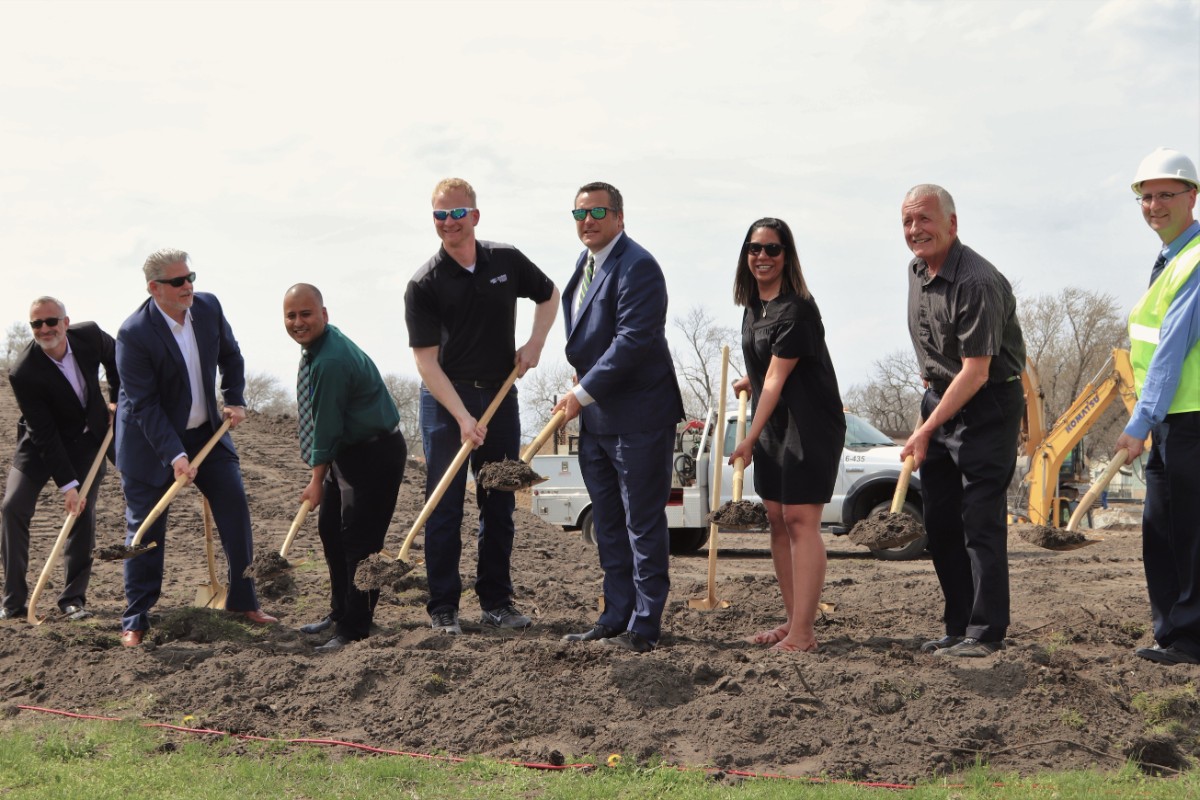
(357, 503)
(220, 480)
(20, 500)
(1171, 532)
(443, 537)
(628, 478)
(964, 487)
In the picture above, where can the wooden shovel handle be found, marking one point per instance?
(455, 465)
(179, 483)
(1089, 499)
(554, 424)
(208, 543)
(739, 464)
(301, 515)
(902, 485)
(56, 551)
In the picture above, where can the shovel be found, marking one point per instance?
(1063, 539)
(738, 514)
(212, 594)
(894, 528)
(380, 570)
(134, 548)
(60, 542)
(509, 476)
(267, 564)
(716, 453)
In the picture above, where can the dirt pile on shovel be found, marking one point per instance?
(379, 571)
(266, 564)
(1051, 538)
(119, 552)
(885, 529)
(507, 475)
(741, 514)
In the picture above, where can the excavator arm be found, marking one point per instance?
(1046, 456)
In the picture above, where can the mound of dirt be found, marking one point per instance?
(740, 514)
(508, 475)
(885, 529)
(1068, 693)
(1051, 538)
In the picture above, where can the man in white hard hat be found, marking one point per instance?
(1164, 334)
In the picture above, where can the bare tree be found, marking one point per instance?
(891, 400)
(265, 394)
(16, 337)
(406, 394)
(698, 362)
(539, 390)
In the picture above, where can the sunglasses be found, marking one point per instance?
(754, 248)
(37, 324)
(441, 214)
(177, 282)
(599, 212)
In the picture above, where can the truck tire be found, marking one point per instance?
(906, 552)
(687, 540)
(587, 531)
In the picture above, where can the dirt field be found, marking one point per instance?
(1067, 693)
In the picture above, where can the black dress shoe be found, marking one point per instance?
(940, 644)
(317, 627)
(14, 613)
(333, 645)
(634, 643)
(597, 631)
(1166, 655)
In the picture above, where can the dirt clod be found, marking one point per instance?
(507, 475)
(885, 529)
(266, 564)
(740, 514)
(1051, 538)
(378, 571)
(120, 552)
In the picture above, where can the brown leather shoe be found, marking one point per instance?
(257, 617)
(131, 638)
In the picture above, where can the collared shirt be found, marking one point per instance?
(1179, 333)
(69, 367)
(185, 337)
(351, 403)
(967, 310)
(472, 316)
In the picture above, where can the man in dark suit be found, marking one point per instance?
(628, 401)
(64, 419)
(168, 353)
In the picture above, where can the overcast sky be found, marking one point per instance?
(284, 142)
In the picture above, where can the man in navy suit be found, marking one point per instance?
(64, 419)
(628, 402)
(168, 353)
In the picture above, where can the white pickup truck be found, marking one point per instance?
(866, 482)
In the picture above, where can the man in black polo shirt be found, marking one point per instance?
(962, 318)
(461, 312)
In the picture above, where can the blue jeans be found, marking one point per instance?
(443, 539)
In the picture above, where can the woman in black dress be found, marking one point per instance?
(799, 428)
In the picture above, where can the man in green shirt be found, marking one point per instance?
(349, 434)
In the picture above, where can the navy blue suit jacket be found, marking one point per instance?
(156, 394)
(618, 344)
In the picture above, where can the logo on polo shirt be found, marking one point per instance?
(499, 279)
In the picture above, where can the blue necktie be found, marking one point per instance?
(1158, 267)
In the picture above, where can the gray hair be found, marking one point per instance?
(945, 201)
(158, 261)
(62, 309)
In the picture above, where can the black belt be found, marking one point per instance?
(941, 386)
(478, 384)
(380, 436)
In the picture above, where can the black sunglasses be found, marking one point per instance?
(599, 212)
(754, 248)
(177, 282)
(37, 324)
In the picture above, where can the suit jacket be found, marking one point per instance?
(52, 424)
(156, 394)
(618, 345)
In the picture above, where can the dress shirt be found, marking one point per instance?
(601, 256)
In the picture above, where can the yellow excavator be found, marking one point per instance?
(1047, 449)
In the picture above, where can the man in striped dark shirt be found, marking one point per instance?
(963, 322)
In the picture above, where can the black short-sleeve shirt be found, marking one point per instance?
(966, 311)
(472, 316)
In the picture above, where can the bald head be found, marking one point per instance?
(304, 314)
(305, 288)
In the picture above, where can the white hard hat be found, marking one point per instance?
(1165, 162)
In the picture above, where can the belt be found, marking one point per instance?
(380, 436)
(941, 386)
(478, 384)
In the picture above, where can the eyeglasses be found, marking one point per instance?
(754, 248)
(441, 214)
(599, 212)
(177, 282)
(37, 324)
(1162, 197)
